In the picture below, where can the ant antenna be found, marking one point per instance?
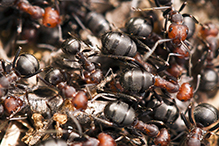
(190, 58)
(197, 84)
(16, 56)
(149, 9)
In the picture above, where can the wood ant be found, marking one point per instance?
(23, 66)
(121, 114)
(202, 122)
(56, 79)
(90, 74)
(136, 80)
(50, 16)
(210, 77)
(177, 31)
(120, 44)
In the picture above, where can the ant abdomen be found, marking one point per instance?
(117, 43)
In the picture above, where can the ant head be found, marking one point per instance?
(177, 32)
(51, 17)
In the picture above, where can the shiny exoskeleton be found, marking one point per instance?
(167, 111)
(116, 43)
(97, 23)
(190, 23)
(122, 114)
(24, 66)
(91, 74)
(200, 120)
(136, 80)
(138, 26)
(56, 78)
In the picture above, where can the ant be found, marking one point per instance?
(203, 120)
(90, 73)
(50, 16)
(23, 66)
(177, 31)
(140, 27)
(56, 79)
(167, 111)
(136, 80)
(120, 44)
(209, 80)
(123, 115)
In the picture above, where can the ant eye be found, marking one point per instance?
(170, 29)
(187, 31)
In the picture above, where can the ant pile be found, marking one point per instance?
(109, 72)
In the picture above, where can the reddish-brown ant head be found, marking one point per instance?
(177, 32)
(106, 140)
(80, 100)
(185, 92)
(51, 17)
(12, 104)
(163, 139)
(209, 29)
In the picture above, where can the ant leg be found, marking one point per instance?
(37, 72)
(198, 83)
(103, 95)
(103, 121)
(191, 115)
(186, 121)
(60, 33)
(47, 46)
(182, 6)
(212, 127)
(70, 114)
(150, 9)
(45, 82)
(190, 58)
(16, 56)
(156, 122)
(126, 58)
(159, 98)
(148, 54)
(195, 20)
(171, 54)
(3, 65)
